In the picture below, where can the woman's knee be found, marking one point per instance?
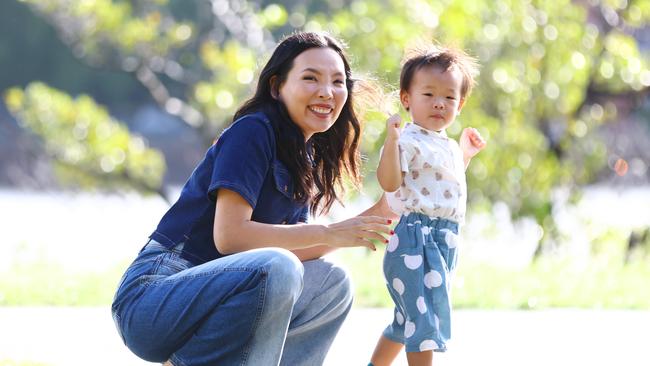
(283, 270)
(333, 283)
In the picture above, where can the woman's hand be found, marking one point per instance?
(380, 208)
(357, 231)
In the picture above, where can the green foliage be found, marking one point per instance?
(548, 71)
(540, 61)
(196, 66)
(232, 67)
(90, 148)
(102, 27)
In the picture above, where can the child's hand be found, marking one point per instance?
(471, 142)
(393, 124)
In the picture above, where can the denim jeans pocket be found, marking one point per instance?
(169, 263)
(155, 262)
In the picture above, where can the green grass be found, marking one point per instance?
(547, 283)
(602, 282)
(41, 283)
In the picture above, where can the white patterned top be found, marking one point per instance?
(433, 174)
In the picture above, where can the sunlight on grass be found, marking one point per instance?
(601, 282)
(43, 283)
(547, 283)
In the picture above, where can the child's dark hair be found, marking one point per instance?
(439, 56)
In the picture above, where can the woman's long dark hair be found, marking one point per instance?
(333, 152)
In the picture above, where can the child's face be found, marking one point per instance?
(434, 98)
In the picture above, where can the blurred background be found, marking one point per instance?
(106, 106)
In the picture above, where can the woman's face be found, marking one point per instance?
(315, 91)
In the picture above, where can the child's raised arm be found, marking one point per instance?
(389, 172)
(471, 143)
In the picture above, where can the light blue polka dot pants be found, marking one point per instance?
(417, 264)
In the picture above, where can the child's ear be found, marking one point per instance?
(404, 98)
(461, 104)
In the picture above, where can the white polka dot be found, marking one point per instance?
(428, 345)
(412, 261)
(422, 307)
(409, 329)
(451, 239)
(399, 318)
(398, 285)
(426, 230)
(432, 279)
(393, 242)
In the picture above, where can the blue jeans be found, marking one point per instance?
(259, 307)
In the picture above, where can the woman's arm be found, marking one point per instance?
(234, 231)
(389, 173)
(316, 252)
(380, 208)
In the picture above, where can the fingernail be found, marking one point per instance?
(385, 241)
(390, 221)
(392, 232)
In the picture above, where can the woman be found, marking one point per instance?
(232, 275)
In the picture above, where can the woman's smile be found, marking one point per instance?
(321, 110)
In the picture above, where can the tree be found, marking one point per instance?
(550, 71)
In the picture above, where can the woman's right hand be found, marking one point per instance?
(357, 231)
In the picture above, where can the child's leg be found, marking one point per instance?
(420, 358)
(385, 352)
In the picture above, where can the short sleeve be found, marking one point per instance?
(406, 154)
(244, 153)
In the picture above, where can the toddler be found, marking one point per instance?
(423, 172)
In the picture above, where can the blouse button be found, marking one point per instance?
(284, 222)
(285, 188)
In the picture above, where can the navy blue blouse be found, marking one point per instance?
(242, 160)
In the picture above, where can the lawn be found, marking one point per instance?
(598, 283)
